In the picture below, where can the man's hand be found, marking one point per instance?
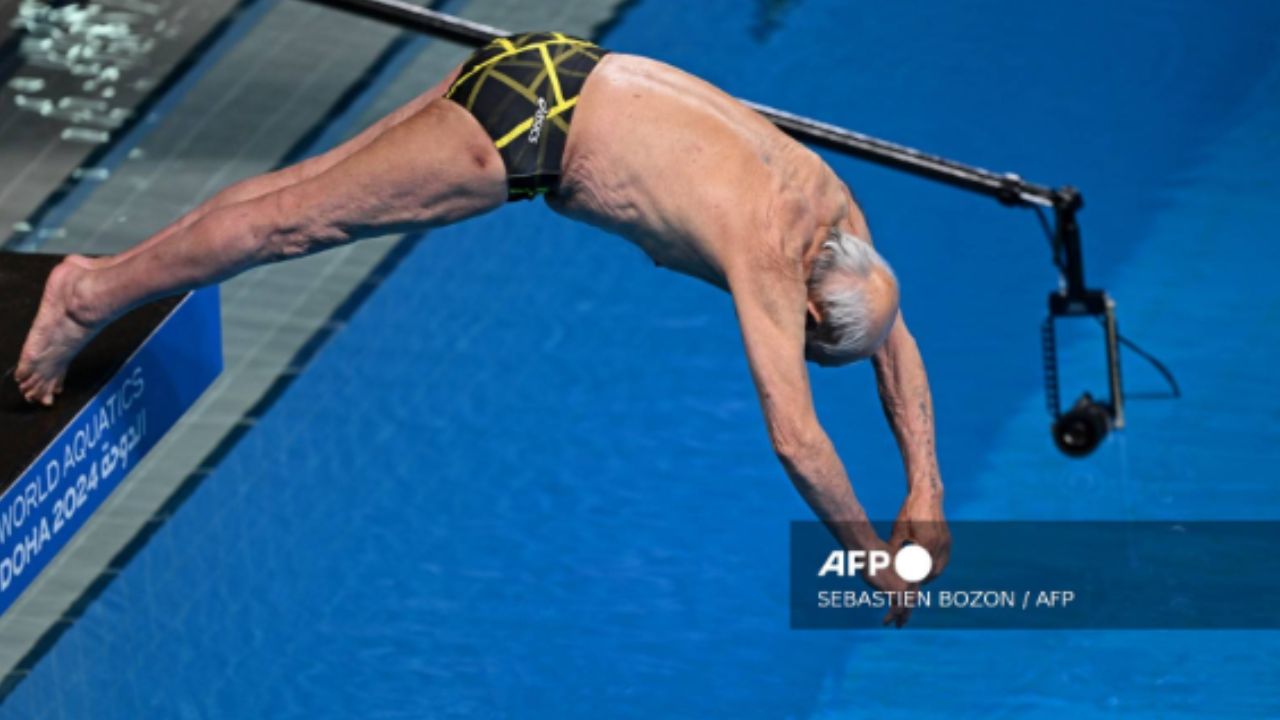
(921, 521)
(888, 581)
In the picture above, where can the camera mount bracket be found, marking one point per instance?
(1074, 299)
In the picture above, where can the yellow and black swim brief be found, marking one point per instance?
(523, 90)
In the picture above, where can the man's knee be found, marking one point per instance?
(477, 158)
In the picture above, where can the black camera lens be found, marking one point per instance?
(1081, 429)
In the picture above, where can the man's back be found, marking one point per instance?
(698, 180)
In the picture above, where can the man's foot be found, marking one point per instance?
(61, 329)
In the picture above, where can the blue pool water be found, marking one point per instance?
(529, 478)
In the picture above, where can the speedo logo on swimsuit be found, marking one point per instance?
(538, 118)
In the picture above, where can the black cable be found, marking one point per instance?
(1175, 391)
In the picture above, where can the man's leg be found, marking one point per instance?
(257, 186)
(434, 168)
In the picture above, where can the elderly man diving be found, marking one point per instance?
(704, 185)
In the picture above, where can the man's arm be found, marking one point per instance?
(772, 315)
(908, 406)
(772, 321)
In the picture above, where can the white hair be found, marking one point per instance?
(850, 329)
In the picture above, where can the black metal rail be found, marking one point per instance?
(415, 17)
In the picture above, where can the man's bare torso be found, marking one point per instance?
(701, 183)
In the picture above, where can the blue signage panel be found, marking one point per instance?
(54, 497)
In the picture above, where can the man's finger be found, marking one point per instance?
(897, 615)
(941, 558)
(901, 536)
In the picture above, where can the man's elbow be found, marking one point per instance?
(898, 340)
(797, 445)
